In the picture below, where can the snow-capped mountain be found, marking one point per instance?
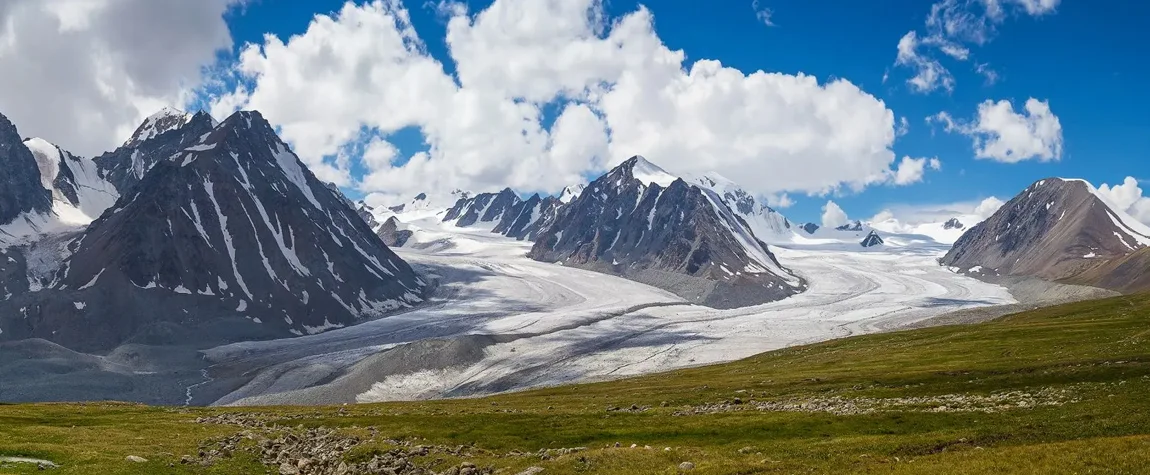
(571, 192)
(809, 228)
(505, 213)
(230, 238)
(645, 224)
(768, 225)
(851, 227)
(166, 120)
(77, 188)
(164, 134)
(872, 239)
(424, 204)
(21, 190)
(1055, 229)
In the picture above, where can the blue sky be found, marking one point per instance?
(1082, 58)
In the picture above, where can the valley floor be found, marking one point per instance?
(1060, 390)
(504, 322)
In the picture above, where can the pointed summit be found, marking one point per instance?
(1055, 229)
(158, 138)
(231, 235)
(642, 223)
(643, 170)
(871, 240)
(166, 120)
(571, 192)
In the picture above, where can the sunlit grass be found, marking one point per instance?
(1095, 354)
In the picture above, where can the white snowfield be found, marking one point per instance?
(560, 325)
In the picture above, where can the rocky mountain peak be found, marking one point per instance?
(767, 224)
(163, 121)
(158, 138)
(640, 222)
(639, 168)
(571, 192)
(231, 235)
(853, 226)
(872, 239)
(21, 189)
(1054, 229)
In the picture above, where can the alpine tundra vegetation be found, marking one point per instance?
(529, 237)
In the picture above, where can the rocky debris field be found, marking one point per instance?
(324, 451)
(838, 405)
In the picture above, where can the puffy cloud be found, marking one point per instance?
(1001, 134)
(950, 27)
(833, 215)
(987, 207)
(764, 14)
(1128, 197)
(84, 73)
(776, 132)
(911, 170)
(362, 74)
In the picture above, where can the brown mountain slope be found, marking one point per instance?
(1057, 230)
(1129, 274)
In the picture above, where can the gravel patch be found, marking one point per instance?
(1031, 294)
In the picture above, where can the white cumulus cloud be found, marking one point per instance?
(1001, 134)
(362, 74)
(84, 73)
(1128, 197)
(911, 170)
(987, 207)
(833, 215)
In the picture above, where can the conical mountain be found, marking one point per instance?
(640, 222)
(1055, 229)
(231, 237)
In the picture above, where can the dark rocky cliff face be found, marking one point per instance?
(391, 234)
(20, 187)
(127, 165)
(231, 238)
(681, 238)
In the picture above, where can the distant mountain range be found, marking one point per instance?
(210, 232)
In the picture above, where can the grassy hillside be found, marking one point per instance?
(1057, 390)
